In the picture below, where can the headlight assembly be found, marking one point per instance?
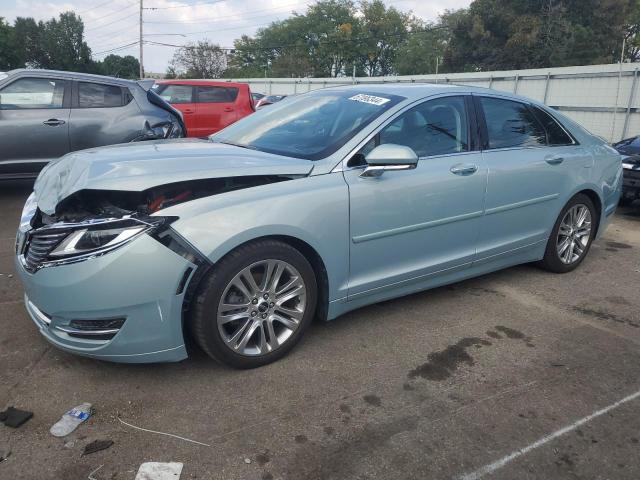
(87, 241)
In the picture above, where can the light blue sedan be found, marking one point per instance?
(315, 206)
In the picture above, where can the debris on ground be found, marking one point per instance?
(14, 417)
(91, 477)
(70, 420)
(159, 471)
(4, 455)
(247, 461)
(163, 433)
(96, 446)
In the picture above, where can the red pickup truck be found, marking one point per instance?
(207, 105)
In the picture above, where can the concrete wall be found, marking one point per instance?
(589, 94)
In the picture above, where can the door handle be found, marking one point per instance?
(554, 159)
(189, 111)
(228, 109)
(464, 169)
(53, 122)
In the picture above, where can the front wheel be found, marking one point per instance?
(571, 236)
(255, 304)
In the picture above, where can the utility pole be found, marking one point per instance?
(141, 48)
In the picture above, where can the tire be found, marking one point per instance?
(278, 323)
(553, 261)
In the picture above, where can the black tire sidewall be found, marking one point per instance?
(205, 313)
(551, 260)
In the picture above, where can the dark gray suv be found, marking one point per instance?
(45, 114)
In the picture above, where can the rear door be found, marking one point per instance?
(533, 164)
(215, 108)
(181, 97)
(34, 123)
(102, 114)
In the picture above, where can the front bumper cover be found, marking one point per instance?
(141, 282)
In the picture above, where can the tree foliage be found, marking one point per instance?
(199, 60)
(56, 44)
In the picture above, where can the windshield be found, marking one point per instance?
(309, 126)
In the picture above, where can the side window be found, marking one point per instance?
(176, 93)
(435, 127)
(28, 93)
(511, 124)
(217, 94)
(97, 95)
(556, 135)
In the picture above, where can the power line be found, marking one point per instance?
(95, 7)
(186, 6)
(122, 47)
(320, 43)
(281, 7)
(91, 20)
(111, 23)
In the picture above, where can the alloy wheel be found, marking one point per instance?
(574, 234)
(261, 307)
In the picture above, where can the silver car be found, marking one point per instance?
(307, 209)
(45, 114)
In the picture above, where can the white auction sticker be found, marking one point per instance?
(373, 100)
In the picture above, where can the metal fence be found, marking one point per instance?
(602, 98)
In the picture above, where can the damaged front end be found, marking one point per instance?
(91, 223)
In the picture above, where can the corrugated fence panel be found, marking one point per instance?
(589, 94)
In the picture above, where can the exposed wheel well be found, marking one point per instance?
(593, 196)
(307, 251)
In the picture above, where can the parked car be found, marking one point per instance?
(45, 114)
(207, 105)
(630, 150)
(256, 96)
(631, 179)
(628, 146)
(316, 206)
(269, 100)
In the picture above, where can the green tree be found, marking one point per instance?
(385, 31)
(121, 67)
(7, 52)
(64, 46)
(202, 59)
(28, 42)
(421, 51)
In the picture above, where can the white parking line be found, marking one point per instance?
(492, 467)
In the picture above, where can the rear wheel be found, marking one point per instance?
(255, 304)
(571, 236)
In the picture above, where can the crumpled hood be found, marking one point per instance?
(139, 166)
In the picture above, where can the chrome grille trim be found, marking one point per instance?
(39, 245)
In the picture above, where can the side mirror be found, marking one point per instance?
(389, 156)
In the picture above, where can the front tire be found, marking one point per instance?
(255, 304)
(572, 235)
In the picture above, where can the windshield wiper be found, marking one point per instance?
(249, 147)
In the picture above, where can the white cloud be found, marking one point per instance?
(112, 24)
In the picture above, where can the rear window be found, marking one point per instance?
(511, 124)
(98, 95)
(211, 94)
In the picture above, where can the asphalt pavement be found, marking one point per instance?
(521, 374)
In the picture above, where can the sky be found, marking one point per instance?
(112, 26)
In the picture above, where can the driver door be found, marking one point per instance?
(407, 227)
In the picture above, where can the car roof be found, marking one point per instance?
(36, 72)
(416, 91)
(217, 83)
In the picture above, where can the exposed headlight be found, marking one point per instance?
(28, 211)
(91, 240)
(628, 166)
